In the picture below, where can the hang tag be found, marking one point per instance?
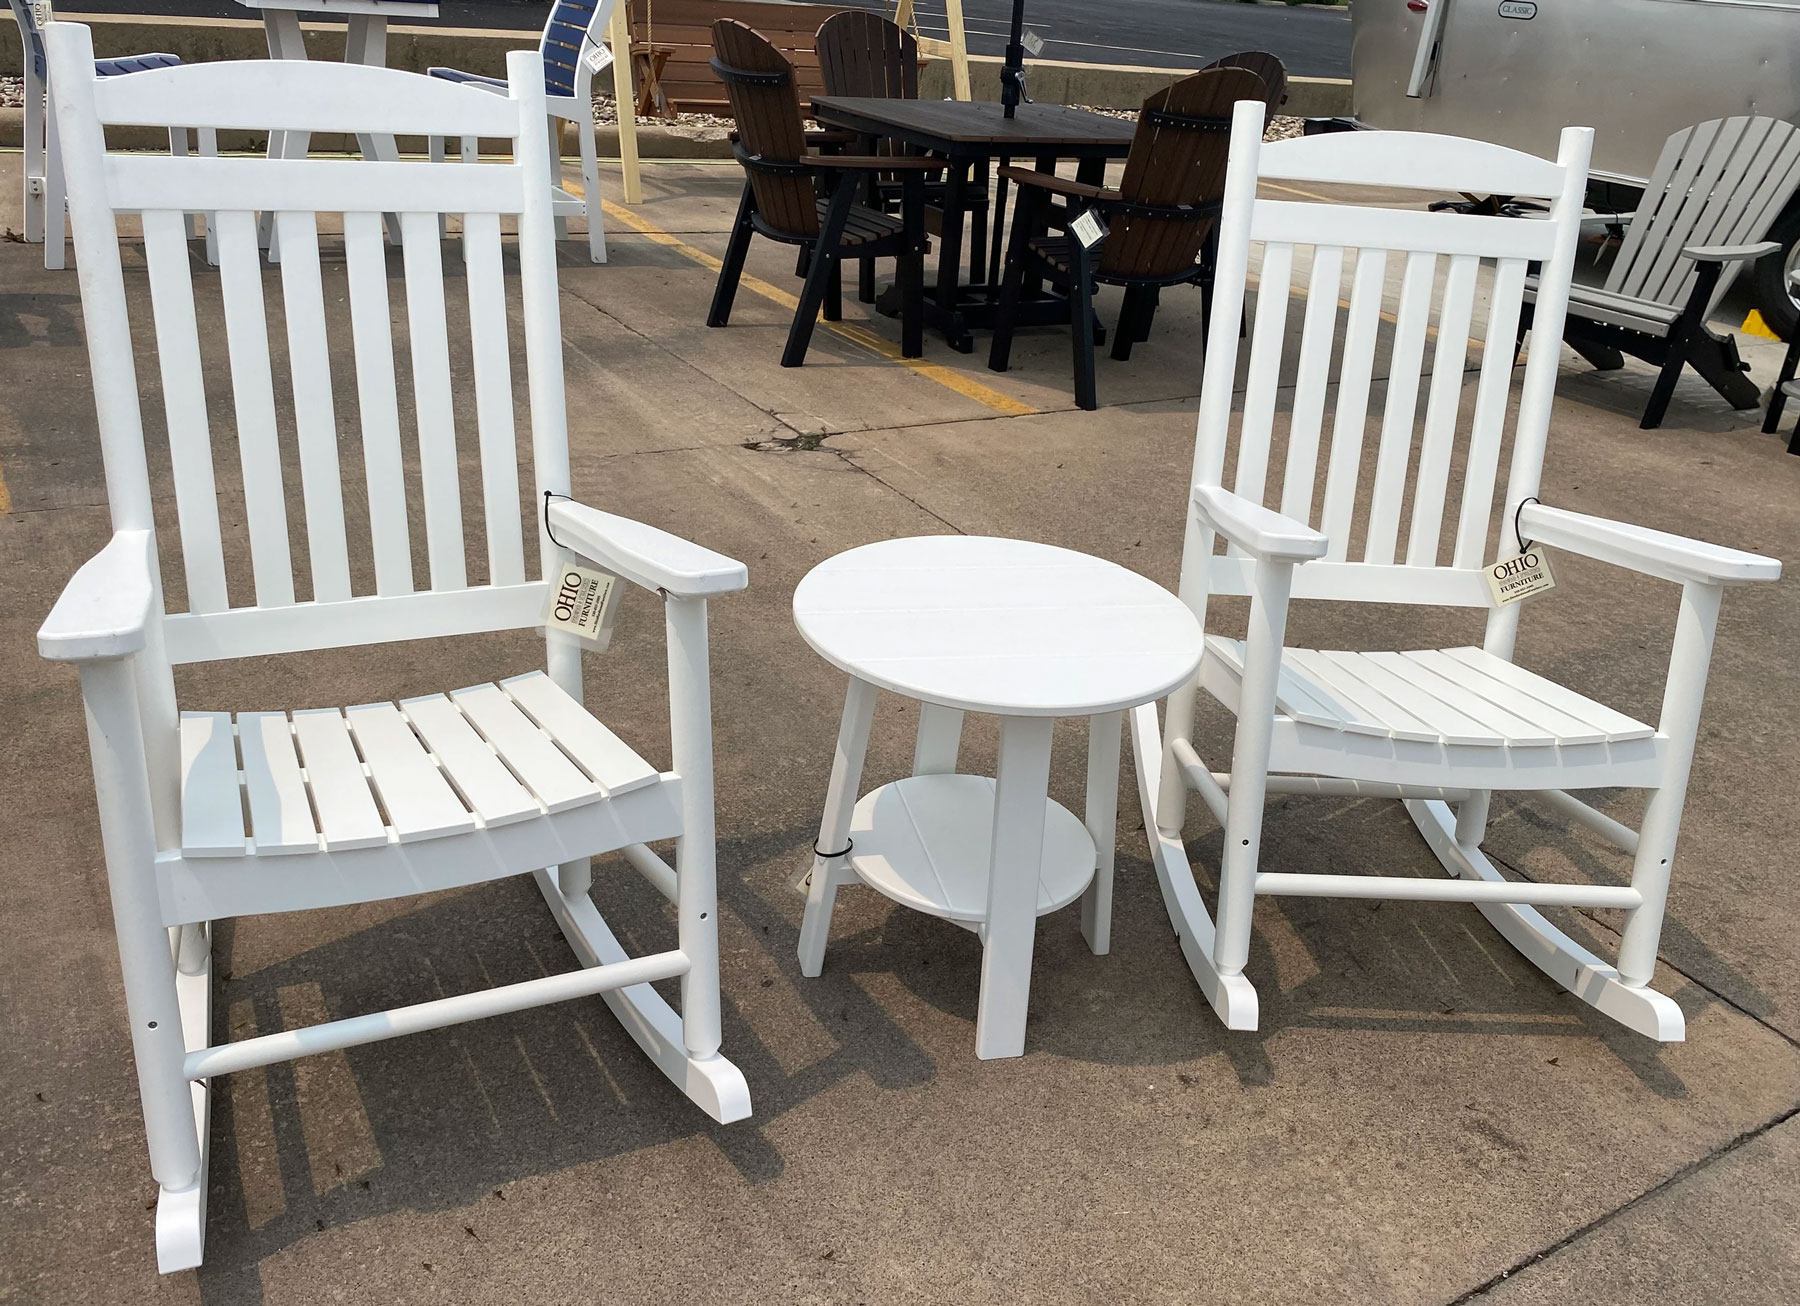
(1088, 229)
(43, 13)
(583, 603)
(599, 58)
(1033, 43)
(1521, 576)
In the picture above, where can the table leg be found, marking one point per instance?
(365, 42)
(1102, 825)
(997, 222)
(1021, 789)
(949, 287)
(281, 28)
(940, 739)
(828, 872)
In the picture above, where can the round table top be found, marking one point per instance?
(1002, 626)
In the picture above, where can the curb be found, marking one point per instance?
(414, 49)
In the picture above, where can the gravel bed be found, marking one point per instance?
(12, 92)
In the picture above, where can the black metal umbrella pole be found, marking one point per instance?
(1012, 72)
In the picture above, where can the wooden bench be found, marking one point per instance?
(671, 49)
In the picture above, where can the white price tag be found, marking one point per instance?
(42, 12)
(599, 58)
(583, 603)
(1088, 229)
(1521, 576)
(1033, 43)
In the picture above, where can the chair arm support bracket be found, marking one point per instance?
(106, 607)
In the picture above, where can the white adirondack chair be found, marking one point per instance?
(574, 49)
(46, 217)
(1438, 729)
(489, 781)
(1716, 189)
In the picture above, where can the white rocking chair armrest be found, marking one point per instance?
(1638, 548)
(1730, 253)
(105, 608)
(644, 555)
(1258, 531)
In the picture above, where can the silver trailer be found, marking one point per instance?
(1517, 71)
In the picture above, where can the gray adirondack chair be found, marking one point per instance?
(1715, 190)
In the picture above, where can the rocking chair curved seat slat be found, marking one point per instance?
(1440, 729)
(211, 814)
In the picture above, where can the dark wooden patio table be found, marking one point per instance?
(968, 135)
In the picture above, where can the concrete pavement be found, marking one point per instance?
(1421, 1119)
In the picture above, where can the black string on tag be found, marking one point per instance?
(1524, 544)
(549, 495)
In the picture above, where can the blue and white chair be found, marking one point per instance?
(574, 49)
(45, 207)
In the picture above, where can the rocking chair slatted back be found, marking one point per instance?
(1178, 157)
(1438, 259)
(1717, 183)
(352, 594)
(862, 53)
(766, 103)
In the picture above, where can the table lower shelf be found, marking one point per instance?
(925, 842)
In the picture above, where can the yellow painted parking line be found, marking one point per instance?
(5, 494)
(948, 377)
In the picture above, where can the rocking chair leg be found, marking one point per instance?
(829, 871)
(733, 266)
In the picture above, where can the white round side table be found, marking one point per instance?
(1028, 632)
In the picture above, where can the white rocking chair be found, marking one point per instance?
(1437, 729)
(382, 800)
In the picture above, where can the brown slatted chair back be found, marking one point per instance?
(765, 100)
(1177, 157)
(1266, 66)
(862, 53)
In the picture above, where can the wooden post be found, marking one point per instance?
(959, 48)
(618, 35)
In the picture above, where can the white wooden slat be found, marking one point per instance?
(1667, 270)
(1447, 363)
(145, 182)
(1419, 160)
(468, 762)
(429, 335)
(303, 301)
(1369, 704)
(531, 754)
(370, 619)
(1397, 417)
(1310, 380)
(212, 809)
(419, 802)
(348, 816)
(597, 750)
(1562, 727)
(1452, 724)
(1294, 223)
(1489, 425)
(184, 406)
(1263, 376)
(1351, 416)
(1363, 582)
(253, 395)
(1294, 695)
(1615, 725)
(269, 96)
(365, 257)
(1515, 729)
(281, 819)
(493, 399)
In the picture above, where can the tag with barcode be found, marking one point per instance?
(1521, 576)
(1088, 229)
(583, 603)
(1033, 43)
(599, 58)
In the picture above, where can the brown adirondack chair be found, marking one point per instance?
(1156, 221)
(862, 53)
(1266, 66)
(810, 200)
